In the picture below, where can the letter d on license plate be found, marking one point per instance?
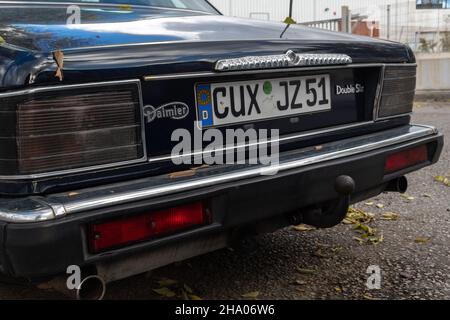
(220, 104)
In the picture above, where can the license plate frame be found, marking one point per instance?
(285, 97)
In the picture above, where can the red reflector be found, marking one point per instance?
(146, 226)
(405, 159)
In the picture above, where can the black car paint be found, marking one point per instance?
(114, 45)
(101, 50)
(151, 44)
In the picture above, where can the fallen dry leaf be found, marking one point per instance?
(369, 204)
(375, 239)
(289, 20)
(407, 197)
(187, 173)
(444, 180)
(370, 235)
(421, 240)
(188, 289)
(380, 206)
(337, 249)
(182, 174)
(187, 293)
(58, 56)
(304, 227)
(347, 221)
(320, 254)
(165, 292)
(390, 216)
(368, 296)
(305, 271)
(166, 282)
(365, 230)
(183, 295)
(355, 216)
(251, 295)
(360, 219)
(418, 105)
(361, 241)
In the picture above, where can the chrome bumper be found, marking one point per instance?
(36, 209)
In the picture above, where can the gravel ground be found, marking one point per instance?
(414, 255)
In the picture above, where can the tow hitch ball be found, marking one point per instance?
(333, 213)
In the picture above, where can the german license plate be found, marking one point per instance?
(221, 104)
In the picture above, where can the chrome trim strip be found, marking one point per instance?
(288, 60)
(395, 116)
(208, 74)
(26, 210)
(30, 91)
(42, 209)
(379, 93)
(33, 90)
(433, 129)
(279, 141)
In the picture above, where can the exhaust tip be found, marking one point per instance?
(402, 184)
(398, 185)
(91, 288)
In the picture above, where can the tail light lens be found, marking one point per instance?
(146, 226)
(405, 159)
(398, 91)
(73, 127)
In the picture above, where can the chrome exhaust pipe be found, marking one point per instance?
(397, 185)
(91, 288)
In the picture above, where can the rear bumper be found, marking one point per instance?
(41, 236)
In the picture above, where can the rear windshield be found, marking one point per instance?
(197, 5)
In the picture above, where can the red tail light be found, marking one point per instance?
(146, 226)
(406, 159)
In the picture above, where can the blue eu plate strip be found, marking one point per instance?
(204, 105)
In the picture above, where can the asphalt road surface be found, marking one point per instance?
(413, 256)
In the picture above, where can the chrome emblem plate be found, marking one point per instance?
(289, 59)
(172, 110)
